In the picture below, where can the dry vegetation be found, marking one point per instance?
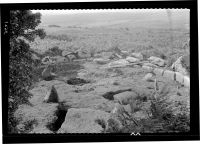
(148, 41)
(91, 41)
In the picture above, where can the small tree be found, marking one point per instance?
(23, 25)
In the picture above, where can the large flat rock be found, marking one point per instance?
(83, 120)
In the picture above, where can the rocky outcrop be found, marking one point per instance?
(47, 74)
(82, 73)
(83, 120)
(186, 81)
(150, 65)
(65, 53)
(58, 59)
(169, 74)
(137, 55)
(180, 65)
(148, 68)
(51, 96)
(157, 61)
(148, 77)
(158, 72)
(128, 108)
(70, 55)
(92, 104)
(118, 63)
(101, 61)
(125, 52)
(132, 59)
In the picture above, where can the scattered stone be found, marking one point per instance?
(137, 55)
(125, 97)
(47, 74)
(115, 82)
(97, 55)
(118, 55)
(158, 72)
(83, 121)
(186, 81)
(41, 130)
(179, 77)
(157, 61)
(128, 108)
(58, 59)
(148, 77)
(51, 96)
(125, 52)
(118, 108)
(132, 59)
(77, 81)
(178, 65)
(150, 69)
(186, 60)
(118, 63)
(71, 57)
(46, 60)
(82, 73)
(65, 53)
(101, 61)
(60, 114)
(169, 74)
(150, 65)
(140, 115)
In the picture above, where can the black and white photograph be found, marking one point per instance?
(99, 71)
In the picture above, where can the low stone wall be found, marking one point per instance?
(176, 76)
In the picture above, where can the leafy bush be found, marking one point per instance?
(101, 122)
(21, 65)
(26, 126)
(113, 126)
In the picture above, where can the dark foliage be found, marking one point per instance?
(54, 51)
(21, 64)
(77, 81)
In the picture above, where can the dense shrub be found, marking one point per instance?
(54, 51)
(21, 65)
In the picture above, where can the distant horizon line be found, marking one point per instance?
(87, 11)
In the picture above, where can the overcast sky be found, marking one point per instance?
(58, 12)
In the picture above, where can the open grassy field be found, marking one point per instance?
(130, 32)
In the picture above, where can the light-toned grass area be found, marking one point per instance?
(149, 41)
